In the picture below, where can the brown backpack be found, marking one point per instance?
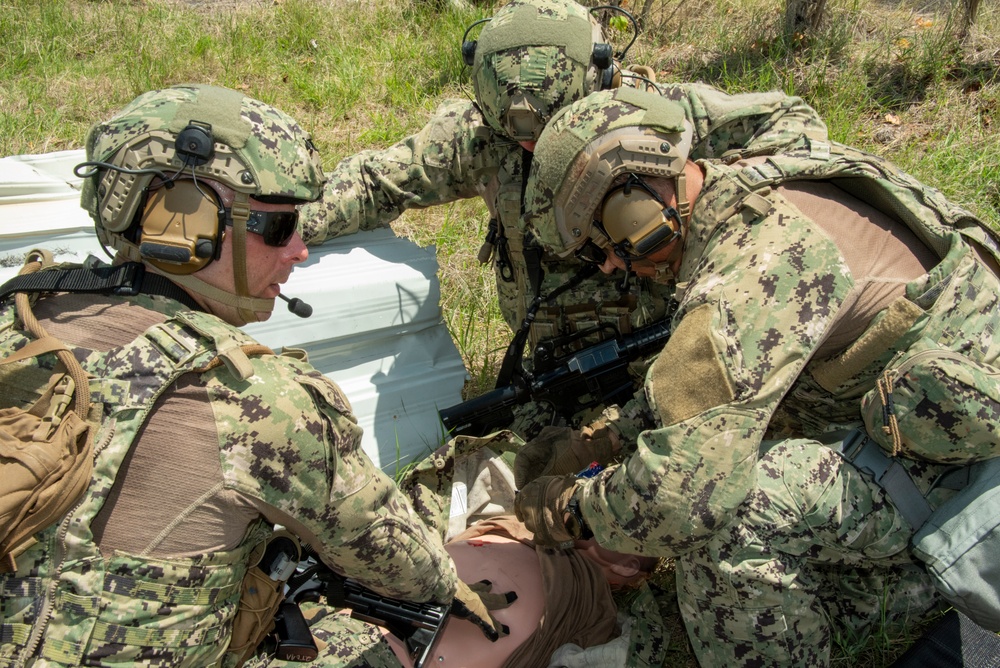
(46, 451)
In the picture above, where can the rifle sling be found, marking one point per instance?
(512, 359)
(130, 278)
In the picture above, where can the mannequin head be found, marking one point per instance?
(623, 571)
(512, 566)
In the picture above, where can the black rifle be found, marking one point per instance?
(419, 625)
(595, 375)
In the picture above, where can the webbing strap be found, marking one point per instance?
(125, 279)
(865, 454)
(512, 359)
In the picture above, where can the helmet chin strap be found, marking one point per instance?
(619, 251)
(243, 304)
(240, 215)
(247, 307)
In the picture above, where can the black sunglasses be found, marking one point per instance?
(277, 227)
(591, 253)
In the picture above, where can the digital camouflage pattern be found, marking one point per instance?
(286, 436)
(758, 288)
(66, 604)
(944, 406)
(537, 54)
(277, 154)
(457, 156)
(798, 566)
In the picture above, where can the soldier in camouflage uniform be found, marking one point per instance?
(531, 59)
(204, 439)
(799, 277)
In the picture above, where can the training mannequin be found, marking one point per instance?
(570, 591)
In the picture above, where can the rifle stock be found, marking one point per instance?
(419, 625)
(595, 375)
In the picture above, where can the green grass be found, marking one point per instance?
(887, 77)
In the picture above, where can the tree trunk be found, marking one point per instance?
(969, 10)
(802, 16)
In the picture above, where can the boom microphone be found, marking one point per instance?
(297, 306)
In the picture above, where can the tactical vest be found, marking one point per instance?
(524, 271)
(926, 374)
(954, 305)
(67, 604)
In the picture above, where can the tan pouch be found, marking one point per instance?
(262, 592)
(46, 451)
(46, 458)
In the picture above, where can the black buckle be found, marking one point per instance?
(129, 279)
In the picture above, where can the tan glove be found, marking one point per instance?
(561, 451)
(543, 505)
(474, 602)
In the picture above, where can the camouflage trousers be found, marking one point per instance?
(343, 642)
(817, 553)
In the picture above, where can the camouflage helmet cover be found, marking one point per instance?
(533, 58)
(586, 146)
(258, 149)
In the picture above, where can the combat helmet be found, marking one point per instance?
(170, 170)
(533, 58)
(591, 156)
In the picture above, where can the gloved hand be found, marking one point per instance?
(543, 506)
(474, 602)
(561, 450)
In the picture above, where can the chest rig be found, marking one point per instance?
(70, 605)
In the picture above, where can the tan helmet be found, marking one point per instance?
(533, 58)
(170, 169)
(592, 155)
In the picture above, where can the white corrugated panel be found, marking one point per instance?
(376, 327)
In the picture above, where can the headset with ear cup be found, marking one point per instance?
(604, 61)
(635, 217)
(181, 227)
(469, 46)
(181, 222)
(123, 185)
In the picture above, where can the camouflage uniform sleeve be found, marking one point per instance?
(630, 419)
(288, 439)
(447, 160)
(750, 123)
(757, 299)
